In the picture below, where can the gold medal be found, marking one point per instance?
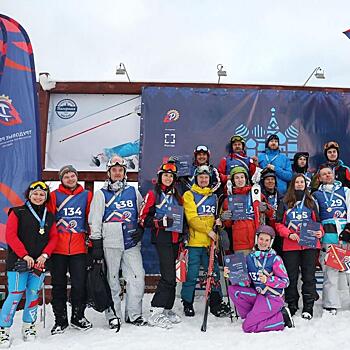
(329, 209)
(41, 230)
(298, 217)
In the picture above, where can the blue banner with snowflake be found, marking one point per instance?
(19, 130)
(175, 120)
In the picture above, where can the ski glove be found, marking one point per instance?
(21, 266)
(263, 207)
(226, 215)
(164, 222)
(345, 236)
(138, 234)
(97, 249)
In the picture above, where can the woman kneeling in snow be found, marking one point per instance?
(262, 305)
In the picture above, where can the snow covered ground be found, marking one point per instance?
(323, 332)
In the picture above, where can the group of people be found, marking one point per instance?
(59, 230)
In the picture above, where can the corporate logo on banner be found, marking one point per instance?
(66, 108)
(170, 133)
(8, 113)
(257, 136)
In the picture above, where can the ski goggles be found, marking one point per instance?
(203, 169)
(38, 185)
(116, 160)
(331, 144)
(237, 138)
(168, 167)
(201, 148)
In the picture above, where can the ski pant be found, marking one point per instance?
(304, 261)
(197, 257)
(330, 291)
(60, 265)
(261, 313)
(18, 283)
(165, 293)
(130, 261)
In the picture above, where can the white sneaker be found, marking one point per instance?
(4, 338)
(172, 316)
(159, 319)
(29, 331)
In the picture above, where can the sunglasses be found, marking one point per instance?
(38, 185)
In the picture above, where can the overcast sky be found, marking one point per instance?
(269, 42)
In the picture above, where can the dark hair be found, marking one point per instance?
(290, 197)
(172, 189)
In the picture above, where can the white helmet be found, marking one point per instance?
(116, 160)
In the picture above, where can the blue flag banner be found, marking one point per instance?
(19, 118)
(175, 120)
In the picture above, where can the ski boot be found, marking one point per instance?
(217, 307)
(188, 309)
(78, 320)
(29, 331)
(5, 338)
(287, 317)
(308, 307)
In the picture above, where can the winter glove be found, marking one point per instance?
(345, 235)
(97, 249)
(225, 242)
(263, 207)
(21, 266)
(138, 234)
(226, 215)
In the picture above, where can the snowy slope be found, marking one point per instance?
(323, 332)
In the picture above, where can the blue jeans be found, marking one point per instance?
(18, 283)
(197, 257)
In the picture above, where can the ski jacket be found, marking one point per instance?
(232, 160)
(282, 164)
(153, 210)
(274, 200)
(333, 203)
(271, 265)
(113, 216)
(289, 221)
(71, 209)
(243, 231)
(340, 170)
(23, 237)
(200, 207)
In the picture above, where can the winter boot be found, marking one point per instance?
(78, 320)
(29, 331)
(331, 310)
(308, 306)
(4, 337)
(61, 319)
(114, 323)
(188, 309)
(217, 307)
(172, 316)
(293, 308)
(159, 319)
(287, 317)
(140, 321)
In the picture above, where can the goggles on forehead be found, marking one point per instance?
(171, 167)
(238, 138)
(38, 185)
(203, 169)
(330, 145)
(202, 148)
(116, 160)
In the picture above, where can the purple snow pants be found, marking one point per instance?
(261, 313)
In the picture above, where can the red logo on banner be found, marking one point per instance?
(171, 116)
(8, 114)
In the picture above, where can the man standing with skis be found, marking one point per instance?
(200, 206)
(116, 236)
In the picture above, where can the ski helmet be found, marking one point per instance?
(267, 230)
(267, 173)
(66, 169)
(116, 160)
(296, 168)
(237, 138)
(201, 148)
(38, 185)
(238, 169)
(330, 145)
(202, 169)
(168, 167)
